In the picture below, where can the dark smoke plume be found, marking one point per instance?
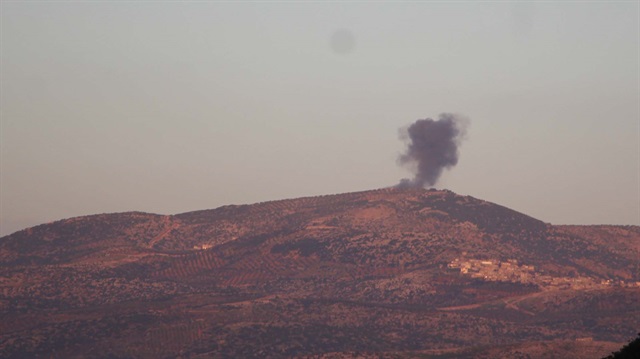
(432, 147)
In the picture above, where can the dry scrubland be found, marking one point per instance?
(388, 273)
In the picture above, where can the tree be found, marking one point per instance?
(629, 351)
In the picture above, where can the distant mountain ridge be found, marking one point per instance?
(408, 269)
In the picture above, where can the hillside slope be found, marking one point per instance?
(394, 272)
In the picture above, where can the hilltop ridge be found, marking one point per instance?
(389, 271)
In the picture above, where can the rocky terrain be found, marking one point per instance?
(391, 273)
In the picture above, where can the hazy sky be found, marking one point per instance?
(169, 107)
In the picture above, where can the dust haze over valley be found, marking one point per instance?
(208, 179)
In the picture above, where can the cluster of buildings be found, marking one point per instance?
(512, 271)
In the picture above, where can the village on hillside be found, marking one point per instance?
(511, 271)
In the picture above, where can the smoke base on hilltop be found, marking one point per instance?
(432, 147)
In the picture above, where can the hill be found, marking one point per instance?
(390, 272)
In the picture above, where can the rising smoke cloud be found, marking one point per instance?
(432, 146)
